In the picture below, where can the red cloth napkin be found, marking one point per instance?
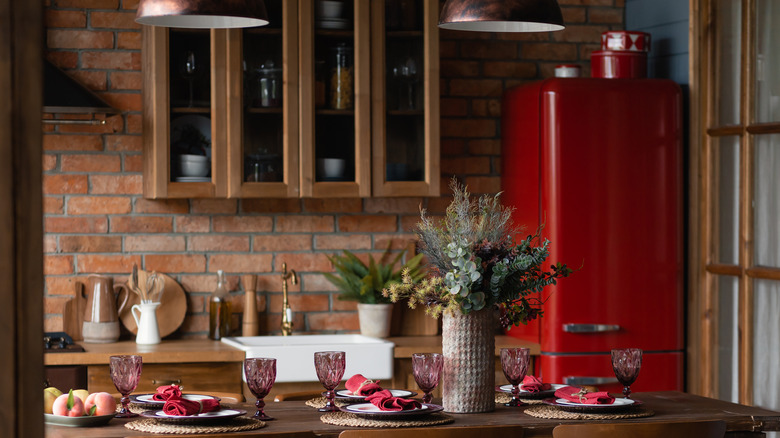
(385, 401)
(166, 392)
(579, 395)
(532, 384)
(359, 385)
(176, 405)
(181, 407)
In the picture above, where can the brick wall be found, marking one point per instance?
(96, 220)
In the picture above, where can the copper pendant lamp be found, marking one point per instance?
(202, 14)
(501, 15)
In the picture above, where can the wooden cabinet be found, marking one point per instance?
(208, 377)
(195, 364)
(313, 105)
(405, 96)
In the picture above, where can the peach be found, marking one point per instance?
(103, 403)
(68, 405)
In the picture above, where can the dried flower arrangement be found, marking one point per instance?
(474, 262)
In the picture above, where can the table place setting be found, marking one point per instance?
(572, 402)
(169, 410)
(365, 403)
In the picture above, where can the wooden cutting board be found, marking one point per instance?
(73, 313)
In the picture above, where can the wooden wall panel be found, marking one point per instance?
(21, 230)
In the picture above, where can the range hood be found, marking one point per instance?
(63, 94)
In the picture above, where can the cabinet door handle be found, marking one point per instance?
(166, 382)
(590, 328)
(585, 380)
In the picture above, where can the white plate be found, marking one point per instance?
(193, 179)
(215, 416)
(85, 421)
(334, 23)
(345, 393)
(546, 393)
(149, 398)
(618, 403)
(369, 410)
(201, 123)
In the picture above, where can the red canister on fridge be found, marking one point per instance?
(623, 54)
(618, 64)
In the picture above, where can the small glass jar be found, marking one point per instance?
(269, 86)
(342, 91)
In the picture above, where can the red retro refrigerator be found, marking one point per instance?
(599, 162)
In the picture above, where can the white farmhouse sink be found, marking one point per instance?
(372, 357)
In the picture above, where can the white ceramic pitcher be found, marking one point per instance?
(148, 332)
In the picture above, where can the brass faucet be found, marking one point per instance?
(287, 322)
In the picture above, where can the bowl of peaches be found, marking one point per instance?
(77, 408)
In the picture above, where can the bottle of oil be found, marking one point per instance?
(219, 309)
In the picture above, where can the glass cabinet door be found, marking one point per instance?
(183, 157)
(335, 98)
(406, 98)
(263, 106)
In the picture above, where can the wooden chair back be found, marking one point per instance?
(677, 429)
(437, 432)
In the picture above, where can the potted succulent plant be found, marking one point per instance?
(364, 284)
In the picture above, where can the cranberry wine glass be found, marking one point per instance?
(330, 369)
(125, 372)
(260, 377)
(427, 368)
(514, 362)
(626, 364)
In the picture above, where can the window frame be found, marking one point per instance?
(704, 245)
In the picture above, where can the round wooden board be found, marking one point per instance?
(170, 314)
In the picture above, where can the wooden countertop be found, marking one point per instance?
(294, 416)
(405, 346)
(170, 351)
(206, 350)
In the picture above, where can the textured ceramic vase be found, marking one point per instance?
(468, 346)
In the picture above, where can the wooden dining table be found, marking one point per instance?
(295, 416)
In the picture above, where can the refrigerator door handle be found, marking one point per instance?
(585, 380)
(590, 328)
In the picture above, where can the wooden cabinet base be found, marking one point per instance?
(217, 377)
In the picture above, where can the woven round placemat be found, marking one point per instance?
(503, 397)
(553, 413)
(234, 425)
(347, 419)
(319, 402)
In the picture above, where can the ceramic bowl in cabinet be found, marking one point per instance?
(329, 9)
(193, 165)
